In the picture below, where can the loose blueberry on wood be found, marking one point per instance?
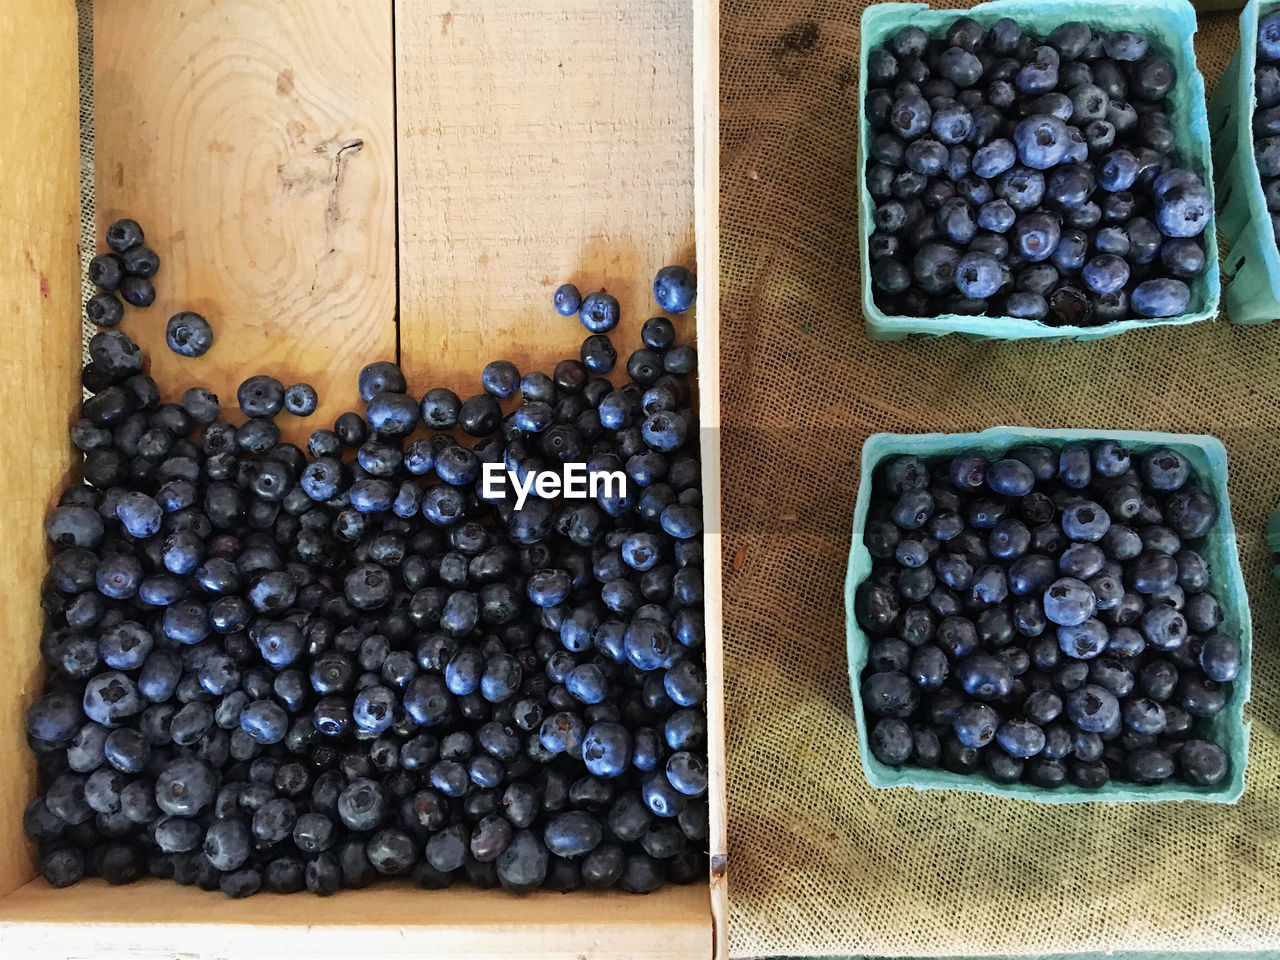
(282, 669)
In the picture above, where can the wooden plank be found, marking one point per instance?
(396, 921)
(706, 119)
(538, 144)
(39, 363)
(255, 144)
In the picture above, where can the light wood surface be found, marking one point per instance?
(255, 144)
(39, 359)
(706, 120)
(157, 918)
(539, 143)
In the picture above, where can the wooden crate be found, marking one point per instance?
(333, 181)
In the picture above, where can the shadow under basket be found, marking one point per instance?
(1208, 460)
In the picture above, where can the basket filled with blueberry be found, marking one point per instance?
(1245, 116)
(1053, 615)
(1034, 170)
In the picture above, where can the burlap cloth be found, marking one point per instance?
(819, 861)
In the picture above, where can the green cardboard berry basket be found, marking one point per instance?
(1171, 25)
(1252, 268)
(1208, 460)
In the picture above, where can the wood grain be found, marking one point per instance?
(39, 361)
(396, 921)
(255, 144)
(538, 143)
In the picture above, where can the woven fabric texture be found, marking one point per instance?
(820, 862)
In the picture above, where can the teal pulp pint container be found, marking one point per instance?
(1252, 266)
(1208, 459)
(1170, 25)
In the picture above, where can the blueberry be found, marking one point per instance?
(1152, 78)
(890, 276)
(1204, 763)
(1093, 709)
(1085, 521)
(909, 42)
(1071, 252)
(1083, 641)
(926, 157)
(1183, 258)
(910, 116)
(123, 234)
(599, 311)
(978, 275)
(1106, 273)
(984, 677)
(227, 844)
(264, 721)
(1020, 738)
(1040, 73)
(566, 300)
(115, 355)
(662, 798)
(1149, 765)
(891, 741)
(393, 415)
(1191, 512)
(188, 334)
(1267, 85)
(960, 66)
(1010, 478)
(300, 399)
(260, 396)
(889, 694)
(1070, 39)
(1069, 602)
(975, 725)
(1165, 469)
(104, 310)
(1201, 697)
(996, 216)
(1184, 210)
(934, 266)
(1026, 306)
(1220, 658)
(1125, 45)
(951, 124)
(1144, 716)
(1035, 236)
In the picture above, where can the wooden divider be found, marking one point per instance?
(40, 351)
(255, 143)
(538, 144)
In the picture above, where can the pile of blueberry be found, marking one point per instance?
(1266, 117)
(1045, 617)
(280, 669)
(1031, 179)
(126, 269)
